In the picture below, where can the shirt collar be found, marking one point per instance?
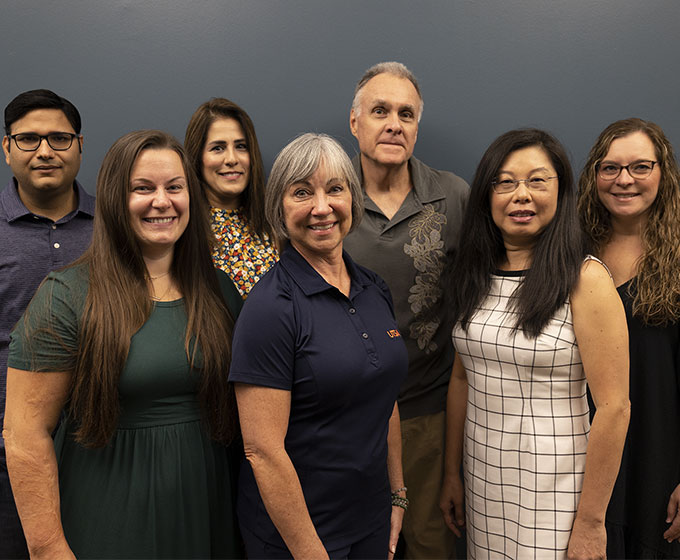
(425, 186)
(15, 208)
(226, 211)
(310, 281)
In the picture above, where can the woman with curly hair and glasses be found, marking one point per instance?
(629, 202)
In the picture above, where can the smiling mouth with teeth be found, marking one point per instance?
(159, 220)
(322, 228)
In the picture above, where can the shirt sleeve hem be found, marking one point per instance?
(260, 380)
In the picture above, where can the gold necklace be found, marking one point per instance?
(165, 293)
(160, 275)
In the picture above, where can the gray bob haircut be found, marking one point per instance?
(297, 162)
(395, 69)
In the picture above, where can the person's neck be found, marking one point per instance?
(384, 178)
(224, 204)
(49, 204)
(516, 258)
(158, 264)
(626, 228)
(331, 266)
(386, 185)
(624, 249)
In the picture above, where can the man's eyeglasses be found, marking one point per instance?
(29, 142)
(507, 185)
(637, 170)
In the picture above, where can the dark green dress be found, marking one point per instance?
(161, 488)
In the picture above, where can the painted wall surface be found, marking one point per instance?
(485, 66)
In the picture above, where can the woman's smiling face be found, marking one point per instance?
(226, 163)
(625, 197)
(158, 202)
(522, 214)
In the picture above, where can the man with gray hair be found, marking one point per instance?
(412, 219)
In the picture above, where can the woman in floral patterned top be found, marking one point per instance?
(221, 143)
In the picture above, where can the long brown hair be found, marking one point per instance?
(657, 295)
(118, 303)
(194, 141)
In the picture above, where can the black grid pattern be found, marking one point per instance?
(526, 431)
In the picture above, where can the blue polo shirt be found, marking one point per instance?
(31, 247)
(343, 360)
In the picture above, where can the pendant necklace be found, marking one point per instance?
(165, 293)
(160, 298)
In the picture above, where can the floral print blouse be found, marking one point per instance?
(239, 251)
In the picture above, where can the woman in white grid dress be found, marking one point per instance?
(536, 320)
(527, 427)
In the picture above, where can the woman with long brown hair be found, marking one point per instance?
(132, 343)
(222, 147)
(629, 200)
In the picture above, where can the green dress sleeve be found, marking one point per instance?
(46, 336)
(230, 294)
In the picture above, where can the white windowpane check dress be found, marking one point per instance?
(526, 430)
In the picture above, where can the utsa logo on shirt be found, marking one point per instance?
(393, 333)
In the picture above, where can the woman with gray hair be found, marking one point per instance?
(318, 360)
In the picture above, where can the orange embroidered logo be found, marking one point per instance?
(393, 333)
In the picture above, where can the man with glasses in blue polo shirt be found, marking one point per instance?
(45, 223)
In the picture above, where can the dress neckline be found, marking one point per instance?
(510, 273)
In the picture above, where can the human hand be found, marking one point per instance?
(451, 502)
(588, 541)
(395, 528)
(58, 550)
(673, 517)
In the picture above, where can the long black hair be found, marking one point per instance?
(558, 253)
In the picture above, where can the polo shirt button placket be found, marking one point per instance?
(352, 311)
(364, 335)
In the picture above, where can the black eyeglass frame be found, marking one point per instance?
(626, 167)
(42, 137)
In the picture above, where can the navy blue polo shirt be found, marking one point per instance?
(343, 360)
(32, 246)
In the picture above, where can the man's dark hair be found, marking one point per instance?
(40, 99)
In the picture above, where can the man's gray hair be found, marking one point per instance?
(394, 68)
(297, 162)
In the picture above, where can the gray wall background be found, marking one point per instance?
(485, 66)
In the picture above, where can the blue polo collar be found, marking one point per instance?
(310, 281)
(15, 209)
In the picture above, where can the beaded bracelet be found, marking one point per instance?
(402, 489)
(400, 502)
